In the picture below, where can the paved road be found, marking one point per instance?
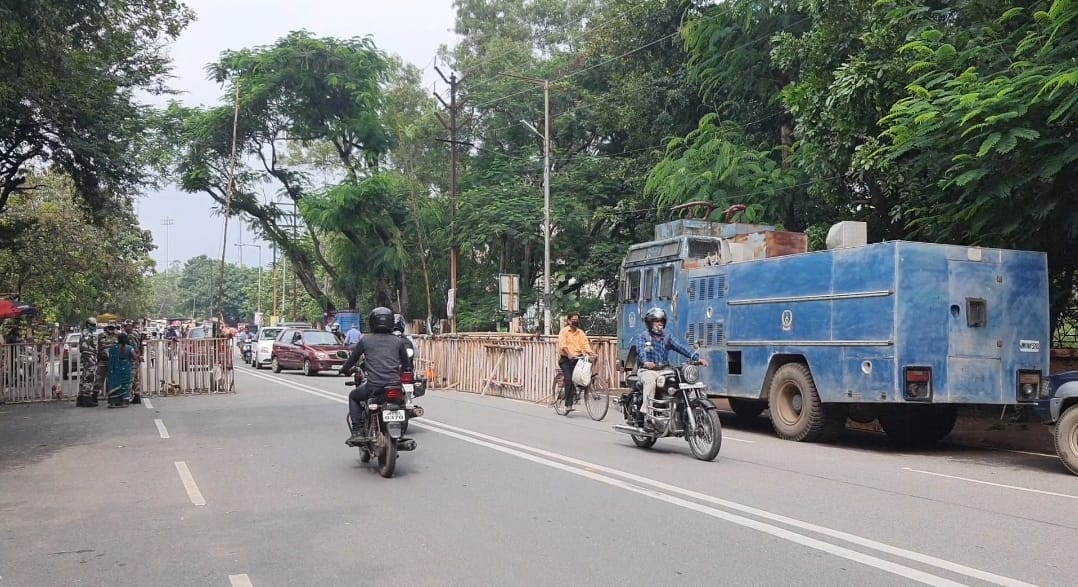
(258, 489)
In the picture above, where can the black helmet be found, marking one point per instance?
(398, 324)
(381, 320)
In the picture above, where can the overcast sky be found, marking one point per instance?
(413, 29)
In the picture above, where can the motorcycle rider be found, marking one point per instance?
(386, 356)
(653, 348)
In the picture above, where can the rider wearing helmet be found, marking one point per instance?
(653, 348)
(386, 356)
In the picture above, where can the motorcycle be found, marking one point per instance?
(246, 349)
(387, 419)
(679, 409)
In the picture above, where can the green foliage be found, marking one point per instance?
(71, 70)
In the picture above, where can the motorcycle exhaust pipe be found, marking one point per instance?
(632, 430)
(406, 445)
(419, 411)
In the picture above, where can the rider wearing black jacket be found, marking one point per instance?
(386, 357)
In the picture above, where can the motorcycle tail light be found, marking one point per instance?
(407, 377)
(394, 395)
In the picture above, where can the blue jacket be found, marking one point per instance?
(656, 349)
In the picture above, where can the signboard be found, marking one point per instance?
(509, 292)
(450, 303)
(258, 319)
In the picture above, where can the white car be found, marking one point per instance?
(263, 346)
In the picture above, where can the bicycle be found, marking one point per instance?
(596, 398)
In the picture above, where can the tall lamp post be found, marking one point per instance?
(259, 294)
(545, 135)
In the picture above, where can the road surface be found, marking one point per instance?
(258, 489)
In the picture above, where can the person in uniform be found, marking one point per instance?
(87, 397)
(105, 341)
(135, 338)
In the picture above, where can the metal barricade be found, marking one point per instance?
(50, 371)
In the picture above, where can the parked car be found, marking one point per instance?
(308, 349)
(69, 354)
(263, 347)
(1058, 407)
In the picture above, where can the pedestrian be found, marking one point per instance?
(352, 336)
(573, 345)
(105, 341)
(136, 339)
(87, 397)
(122, 359)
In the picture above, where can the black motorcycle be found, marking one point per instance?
(680, 409)
(387, 421)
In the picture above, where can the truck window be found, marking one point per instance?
(666, 283)
(649, 284)
(632, 286)
(701, 248)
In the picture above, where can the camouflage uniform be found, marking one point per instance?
(105, 341)
(136, 377)
(88, 364)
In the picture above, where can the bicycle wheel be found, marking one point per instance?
(597, 400)
(558, 393)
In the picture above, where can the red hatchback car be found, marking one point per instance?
(309, 349)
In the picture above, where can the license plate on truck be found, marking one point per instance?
(393, 416)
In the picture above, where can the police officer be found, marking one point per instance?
(386, 356)
(136, 338)
(105, 341)
(87, 397)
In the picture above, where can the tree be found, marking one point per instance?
(71, 70)
(67, 264)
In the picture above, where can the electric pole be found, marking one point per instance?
(453, 126)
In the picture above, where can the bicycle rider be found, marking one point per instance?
(572, 346)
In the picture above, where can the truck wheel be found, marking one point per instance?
(1067, 438)
(918, 426)
(746, 409)
(796, 410)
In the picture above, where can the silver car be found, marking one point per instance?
(263, 346)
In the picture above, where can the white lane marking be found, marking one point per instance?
(146, 402)
(1004, 486)
(946, 565)
(240, 581)
(1026, 452)
(801, 539)
(189, 484)
(161, 427)
(334, 396)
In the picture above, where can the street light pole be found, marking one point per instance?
(545, 83)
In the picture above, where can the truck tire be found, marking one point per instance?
(1067, 438)
(918, 426)
(746, 409)
(797, 413)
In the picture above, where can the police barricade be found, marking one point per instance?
(508, 365)
(41, 372)
(187, 366)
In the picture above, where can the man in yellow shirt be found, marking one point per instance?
(572, 345)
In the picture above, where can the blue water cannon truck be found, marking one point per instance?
(903, 333)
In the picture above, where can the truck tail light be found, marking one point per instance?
(1029, 385)
(918, 382)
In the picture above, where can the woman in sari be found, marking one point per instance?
(122, 359)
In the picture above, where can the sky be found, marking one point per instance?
(413, 29)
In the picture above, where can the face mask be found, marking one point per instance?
(574, 323)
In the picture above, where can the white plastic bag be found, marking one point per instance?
(582, 372)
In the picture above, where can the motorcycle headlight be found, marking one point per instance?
(690, 374)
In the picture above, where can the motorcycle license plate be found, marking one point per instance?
(393, 416)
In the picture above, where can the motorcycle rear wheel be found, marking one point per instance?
(706, 440)
(387, 457)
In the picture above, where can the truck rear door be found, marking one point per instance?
(975, 330)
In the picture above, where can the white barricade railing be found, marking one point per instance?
(40, 372)
(516, 366)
